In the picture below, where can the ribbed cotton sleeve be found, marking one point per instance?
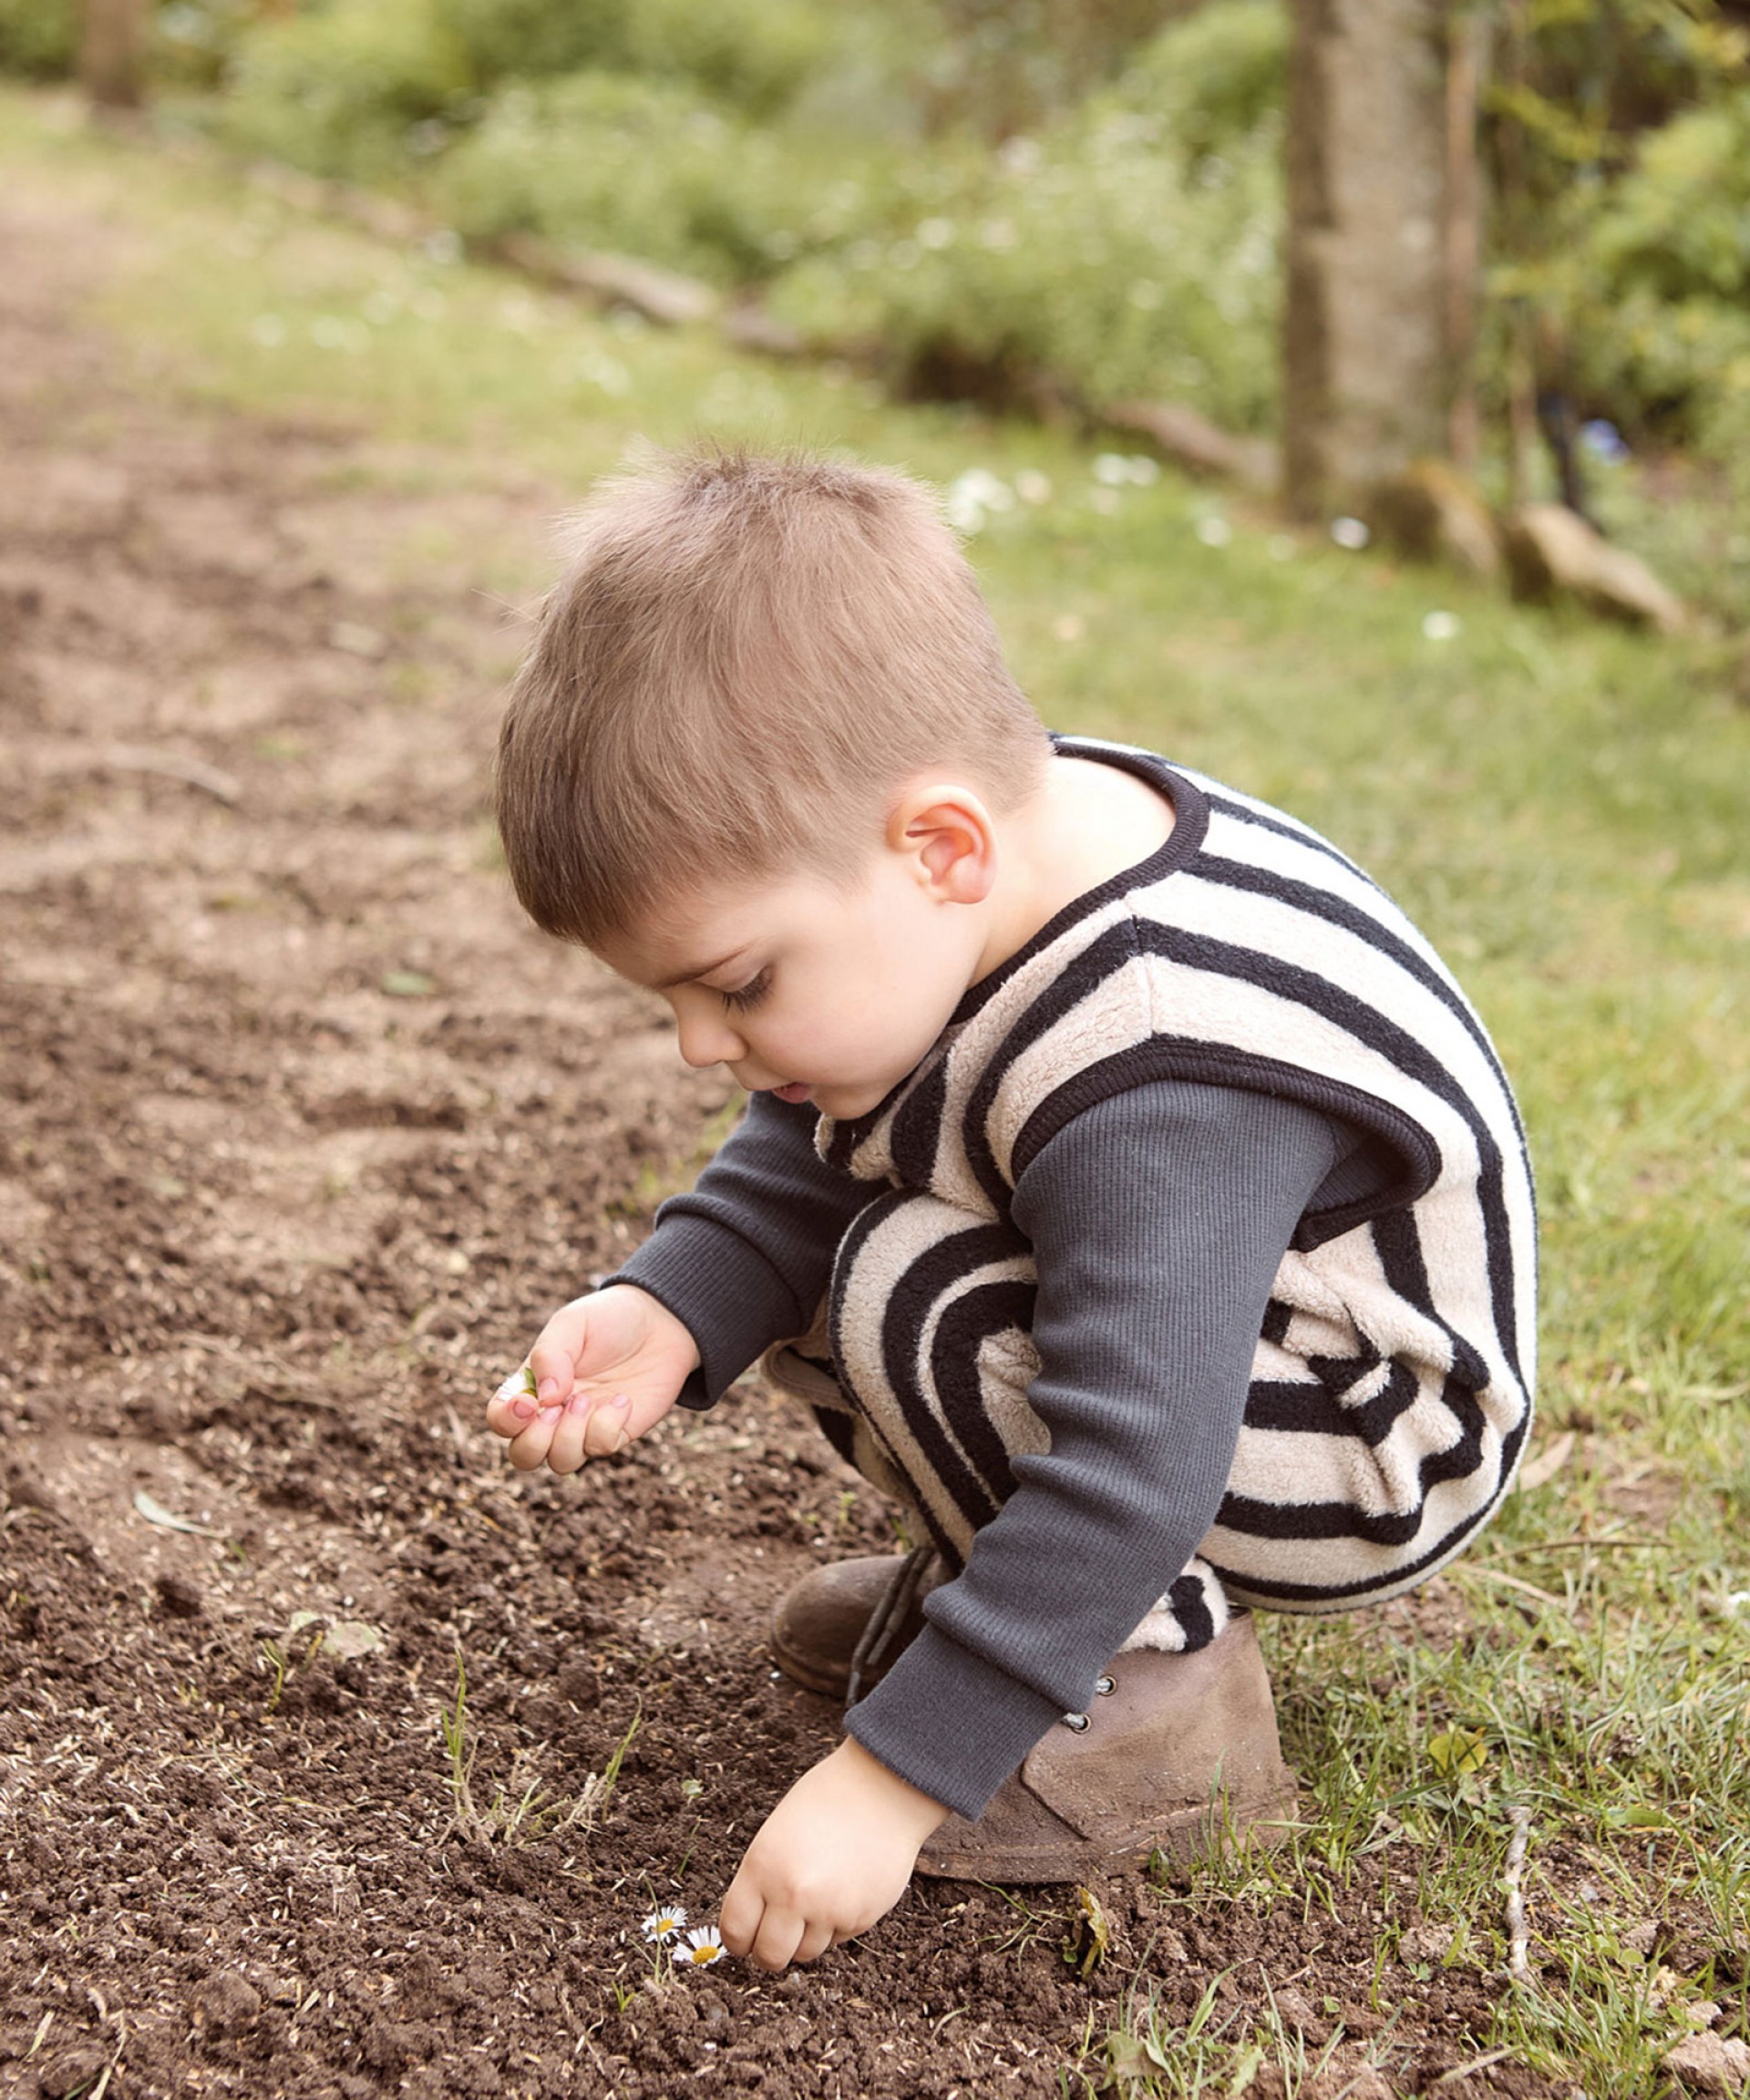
(1157, 1220)
(742, 1259)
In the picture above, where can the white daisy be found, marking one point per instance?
(704, 1946)
(518, 1382)
(666, 1924)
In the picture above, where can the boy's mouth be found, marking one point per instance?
(793, 1092)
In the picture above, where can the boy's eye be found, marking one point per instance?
(749, 994)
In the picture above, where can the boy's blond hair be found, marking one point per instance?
(743, 658)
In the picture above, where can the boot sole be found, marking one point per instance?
(1186, 1837)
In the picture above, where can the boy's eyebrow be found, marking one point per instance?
(703, 970)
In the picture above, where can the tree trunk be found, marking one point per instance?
(1467, 60)
(112, 53)
(1375, 233)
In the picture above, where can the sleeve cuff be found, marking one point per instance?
(951, 1724)
(723, 1290)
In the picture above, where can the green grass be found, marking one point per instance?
(1562, 806)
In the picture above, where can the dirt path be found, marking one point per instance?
(301, 1132)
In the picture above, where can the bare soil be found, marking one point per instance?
(301, 1132)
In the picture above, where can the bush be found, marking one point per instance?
(751, 54)
(1214, 79)
(1119, 254)
(1652, 288)
(39, 38)
(535, 38)
(605, 160)
(1678, 224)
(341, 91)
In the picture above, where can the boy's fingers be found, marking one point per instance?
(555, 1370)
(565, 1453)
(813, 1943)
(509, 1415)
(739, 1919)
(530, 1449)
(780, 1933)
(605, 1431)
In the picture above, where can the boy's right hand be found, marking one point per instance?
(606, 1367)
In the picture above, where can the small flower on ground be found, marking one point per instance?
(1214, 532)
(1033, 487)
(1111, 470)
(704, 1946)
(1440, 626)
(1604, 440)
(666, 1924)
(1350, 534)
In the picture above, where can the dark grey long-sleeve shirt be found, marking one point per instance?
(1157, 1218)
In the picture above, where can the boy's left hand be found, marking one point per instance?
(830, 1859)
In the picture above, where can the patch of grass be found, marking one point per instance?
(522, 1809)
(1561, 804)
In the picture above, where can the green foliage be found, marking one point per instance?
(751, 54)
(1661, 283)
(1120, 254)
(607, 160)
(533, 38)
(38, 38)
(1000, 66)
(194, 41)
(1679, 224)
(341, 90)
(1215, 79)
(189, 38)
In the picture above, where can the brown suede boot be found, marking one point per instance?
(1178, 1755)
(872, 1605)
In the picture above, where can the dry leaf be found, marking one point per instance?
(1548, 1462)
(154, 1512)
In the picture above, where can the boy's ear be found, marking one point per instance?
(946, 830)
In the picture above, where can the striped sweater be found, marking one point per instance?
(1391, 1387)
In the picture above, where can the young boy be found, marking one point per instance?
(1124, 1182)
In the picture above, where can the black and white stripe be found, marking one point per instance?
(1392, 1382)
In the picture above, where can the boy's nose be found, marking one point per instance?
(708, 1040)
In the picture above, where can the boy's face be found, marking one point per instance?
(807, 989)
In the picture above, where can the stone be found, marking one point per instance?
(1425, 1943)
(1552, 552)
(1193, 442)
(1431, 512)
(70, 2071)
(226, 2003)
(1709, 2064)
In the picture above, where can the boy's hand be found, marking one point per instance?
(606, 1368)
(830, 1859)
